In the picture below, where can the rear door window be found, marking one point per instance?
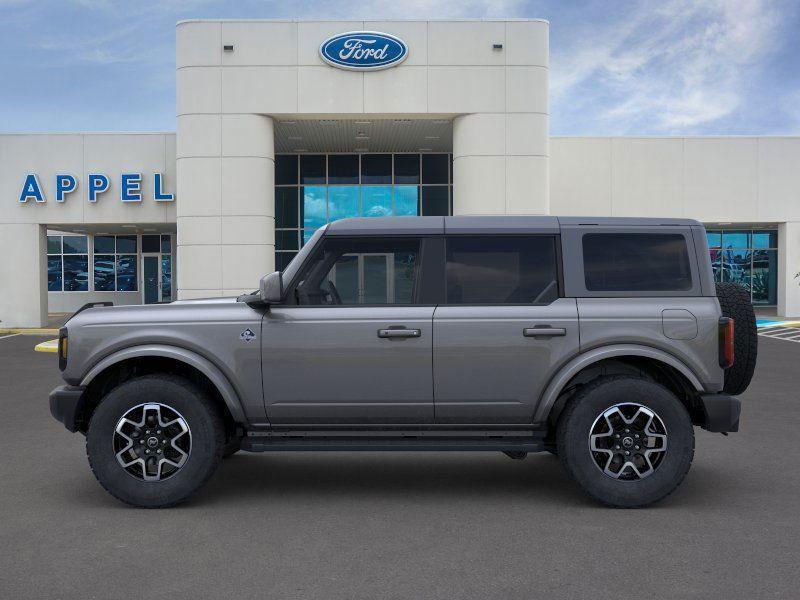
(501, 269)
(645, 262)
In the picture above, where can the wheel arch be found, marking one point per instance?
(621, 354)
(154, 358)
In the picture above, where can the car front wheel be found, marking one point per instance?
(628, 442)
(155, 440)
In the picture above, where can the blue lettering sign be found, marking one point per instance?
(65, 184)
(131, 188)
(98, 184)
(158, 195)
(31, 189)
(363, 51)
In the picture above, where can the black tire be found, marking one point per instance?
(207, 440)
(734, 301)
(584, 410)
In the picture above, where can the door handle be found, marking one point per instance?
(544, 331)
(399, 333)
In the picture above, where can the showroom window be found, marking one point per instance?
(115, 264)
(67, 263)
(748, 257)
(314, 189)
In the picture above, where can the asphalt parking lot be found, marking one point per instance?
(400, 525)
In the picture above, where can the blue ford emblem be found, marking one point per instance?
(363, 50)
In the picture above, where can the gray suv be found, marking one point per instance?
(602, 341)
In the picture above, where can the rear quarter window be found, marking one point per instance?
(645, 262)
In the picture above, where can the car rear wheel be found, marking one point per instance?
(628, 442)
(155, 440)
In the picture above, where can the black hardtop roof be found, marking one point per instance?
(488, 224)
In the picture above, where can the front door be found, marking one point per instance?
(352, 344)
(151, 279)
(502, 330)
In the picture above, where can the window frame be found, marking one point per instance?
(51, 255)
(116, 256)
(556, 240)
(575, 281)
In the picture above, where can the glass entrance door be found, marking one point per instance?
(151, 288)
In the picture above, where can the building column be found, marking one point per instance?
(788, 265)
(226, 221)
(23, 272)
(501, 164)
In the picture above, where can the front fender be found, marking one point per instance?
(203, 365)
(580, 362)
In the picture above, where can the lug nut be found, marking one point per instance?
(616, 435)
(148, 452)
(627, 431)
(616, 447)
(626, 453)
(141, 441)
(158, 431)
(637, 447)
(158, 451)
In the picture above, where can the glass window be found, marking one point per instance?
(714, 239)
(151, 243)
(367, 271)
(282, 259)
(75, 244)
(376, 168)
(166, 278)
(286, 207)
(126, 244)
(126, 273)
(434, 168)
(736, 267)
(104, 244)
(343, 168)
(501, 270)
(636, 262)
(54, 244)
(314, 206)
(286, 169)
(166, 244)
(765, 239)
(434, 201)
(376, 201)
(343, 202)
(406, 168)
(765, 277)
(735, 239)
(104, 272)
(76, 273)
(406, 201)
(54, 277)
(286, 239)
(312, 168)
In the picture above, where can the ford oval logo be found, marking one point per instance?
(363, 50)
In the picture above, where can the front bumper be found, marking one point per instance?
(66, 402)
(721, 412)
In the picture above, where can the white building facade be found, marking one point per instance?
(285, 125)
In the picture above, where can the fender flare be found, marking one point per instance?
(580, 362)
(206, 367)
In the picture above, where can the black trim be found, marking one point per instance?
(66, 403)
(721, 412)
(87, 306)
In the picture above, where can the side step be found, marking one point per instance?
(423, 443)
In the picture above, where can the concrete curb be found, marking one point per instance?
(29, 331)
(48, 346)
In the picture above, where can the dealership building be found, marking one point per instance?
(283, 126)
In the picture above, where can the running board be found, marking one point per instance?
(423, 443)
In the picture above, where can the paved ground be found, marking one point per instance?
(351, 525)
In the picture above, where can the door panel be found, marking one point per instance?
(329, 364)
(151, 279)
(488, 368)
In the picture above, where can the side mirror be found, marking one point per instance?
(270, 288)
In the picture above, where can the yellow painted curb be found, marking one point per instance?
(29, 331)
(48, 346)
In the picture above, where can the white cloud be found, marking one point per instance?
(667, 70)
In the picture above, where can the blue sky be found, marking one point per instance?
(618, 67)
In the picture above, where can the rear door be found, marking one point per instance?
(502, 330)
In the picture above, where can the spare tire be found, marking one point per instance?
(734, 300)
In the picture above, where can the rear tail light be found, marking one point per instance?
(62, 348)
(725, 342)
